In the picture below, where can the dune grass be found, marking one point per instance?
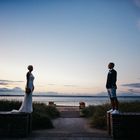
(97, 114)
(42, 114)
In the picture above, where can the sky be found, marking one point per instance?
(70, 43)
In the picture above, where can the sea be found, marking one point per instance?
(71, 100)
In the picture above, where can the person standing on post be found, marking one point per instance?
(111, 87)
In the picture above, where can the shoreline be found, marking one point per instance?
(69, 96)
(69, 101)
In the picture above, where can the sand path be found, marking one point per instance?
(70, 126)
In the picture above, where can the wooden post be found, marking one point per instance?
(108, 123)
(81, 107)
(51, 103)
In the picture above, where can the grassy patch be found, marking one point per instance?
(41, 116)
(6, 105)
(97, 114)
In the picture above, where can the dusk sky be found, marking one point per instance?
(70, 43)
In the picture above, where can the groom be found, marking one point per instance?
(111, 87)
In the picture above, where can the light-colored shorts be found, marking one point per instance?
(112, 92)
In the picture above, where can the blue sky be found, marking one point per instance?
(70, 43)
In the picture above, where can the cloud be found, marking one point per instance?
(51, 84)
(132, 85)
(2, 83)
(133, 91)
(67, 85)
(8, 82)
(70, 85)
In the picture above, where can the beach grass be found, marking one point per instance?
(42, 114)
(97, 114)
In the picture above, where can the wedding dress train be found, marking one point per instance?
(27, 102)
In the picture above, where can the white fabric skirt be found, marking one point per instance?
(26, 104)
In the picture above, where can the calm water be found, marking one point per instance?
(72, 100)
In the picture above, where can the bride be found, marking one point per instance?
(27, 102)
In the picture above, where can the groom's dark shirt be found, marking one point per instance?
(111, 79)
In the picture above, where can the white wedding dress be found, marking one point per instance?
(27, 102)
